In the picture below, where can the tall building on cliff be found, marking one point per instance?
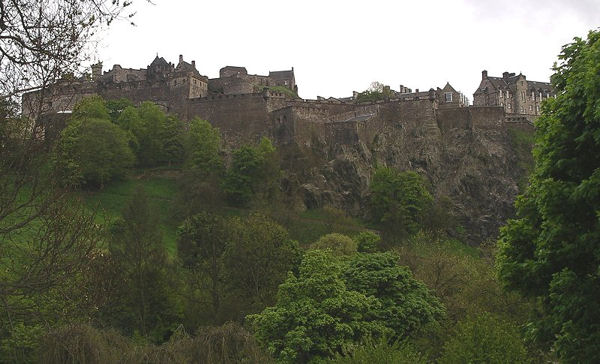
(519, 97)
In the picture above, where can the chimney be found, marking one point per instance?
(194, 64)
(417, 91)
(483, 74)
(505, 75)
(180, 58)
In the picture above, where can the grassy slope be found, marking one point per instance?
(160, 190)
(305, 227)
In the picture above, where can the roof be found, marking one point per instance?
(159, 61)
(510, 79)
(282, 74)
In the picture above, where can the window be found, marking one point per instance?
(507, 94)
(522, 111)
(540, 95)
(522, 95)
(509, 106)
(530, 108)
(448, 96)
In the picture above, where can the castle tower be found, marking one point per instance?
(96, 71)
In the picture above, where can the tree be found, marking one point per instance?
(43, 41)
(367, 241)
(145, 305)
(485, 339)
(204, 148)
(552, 249)
(254, 174)
(200, 244)
(258, 256)
(92, 151)
(406, 304)
(315, 315)
(399, 200)
(332, 306)
(338, 244)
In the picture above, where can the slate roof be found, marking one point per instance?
(281, 74)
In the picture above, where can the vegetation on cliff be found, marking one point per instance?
(551, 250)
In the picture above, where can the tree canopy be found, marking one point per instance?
(551, 250)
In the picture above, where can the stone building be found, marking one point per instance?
(519, 97)
(235, 80)
(168, 85)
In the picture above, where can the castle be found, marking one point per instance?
(519, 97)
(264, 104)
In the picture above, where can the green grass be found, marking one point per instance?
(110, 201)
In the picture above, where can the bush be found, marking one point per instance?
(339, 244)
(484, 339)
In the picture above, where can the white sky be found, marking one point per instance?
(336, 46)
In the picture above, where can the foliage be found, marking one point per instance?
(258, 256)
(376, 92)
(145, 304)
(330, 306)
(116, 107)
(315, 315)
(44, 41)
(406, 304)
(338, 244)
(159, 139)
(484, 339)
(367, 241)
(381, 351)
(204, 148)
(92, 151)
(522, 143)
(399, 200)
(201, 244)
(225, 344)
(254, 174)
(551, 249)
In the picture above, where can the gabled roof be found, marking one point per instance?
(281, 74)
(159, 61)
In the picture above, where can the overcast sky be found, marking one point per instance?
(336, 47)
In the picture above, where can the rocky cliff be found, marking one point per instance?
(467, 154)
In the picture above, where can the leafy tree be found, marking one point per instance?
(399, 200)
(254, 173)
(315, 315)
(146, 304)
(552, 250)
(258, 256)
(130, 121)
(151, 143)
(367, 241)
(201, 243)
(338, 244)
(485, 339)
(332, 306)
(92, 151)
(172, 137)
(204, 149)
(116, 107)
(406, 304)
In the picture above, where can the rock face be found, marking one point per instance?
(466, 154)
